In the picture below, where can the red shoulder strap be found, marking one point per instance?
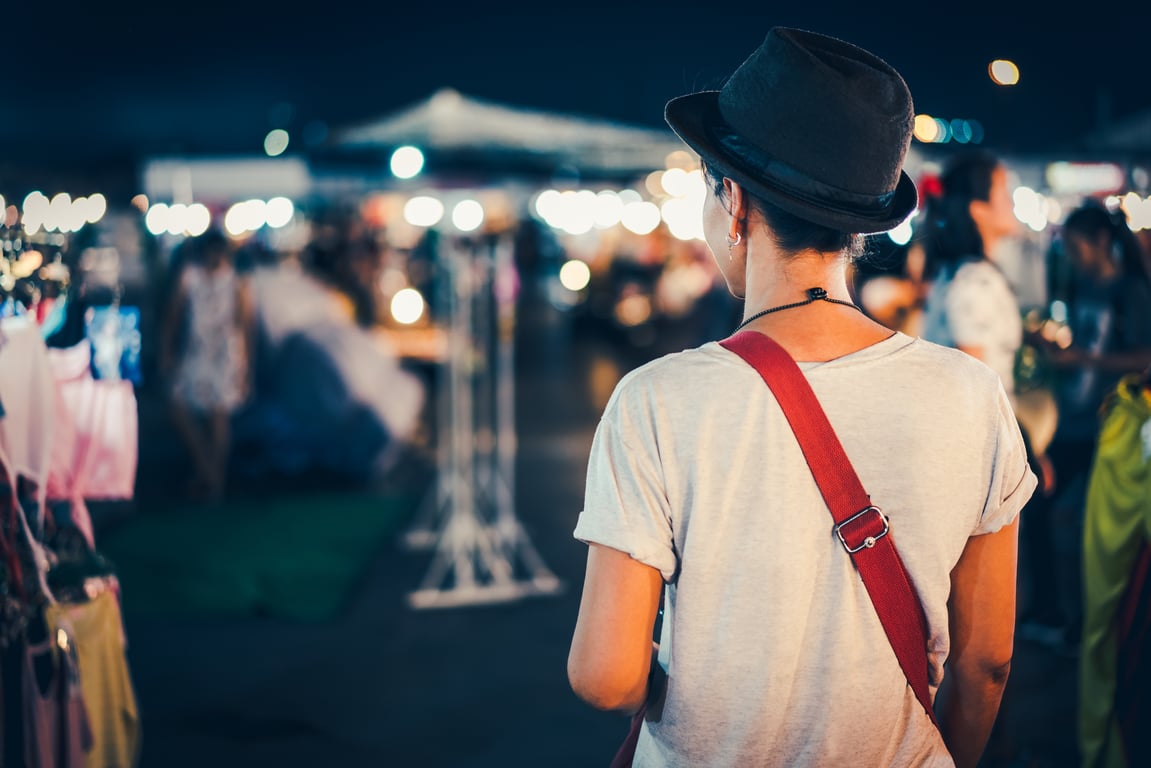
(860, 527)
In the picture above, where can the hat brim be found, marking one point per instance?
(689, 117)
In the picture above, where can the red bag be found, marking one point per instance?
(626, 751)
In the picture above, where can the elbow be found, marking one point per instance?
(997, 672)
(989, 672)
(604, 692)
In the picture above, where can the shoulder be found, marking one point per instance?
(978, 272)
(674, 377)
(981, 289)
(946, 365)
(947, 358)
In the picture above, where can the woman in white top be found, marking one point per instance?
(770, 650)
(210, 372)
(970, 304)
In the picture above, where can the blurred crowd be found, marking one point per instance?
(1078, 372)
(272, 364)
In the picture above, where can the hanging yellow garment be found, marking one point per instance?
(1117, 522)
(104, 681)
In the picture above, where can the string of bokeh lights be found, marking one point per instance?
(674, 197)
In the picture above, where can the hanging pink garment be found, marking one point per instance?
(105, 424)
(62, 486)
(26, 394)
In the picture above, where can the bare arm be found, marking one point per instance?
(611, 649)
(245, 309)
(246, 313)
(982, 620)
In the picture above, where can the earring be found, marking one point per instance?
(732, 242)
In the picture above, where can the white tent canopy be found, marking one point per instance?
(451, 122)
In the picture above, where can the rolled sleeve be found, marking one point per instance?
(1012, 481)
(625, 502)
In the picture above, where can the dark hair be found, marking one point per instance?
(212, 238)
(1091, 220)
(792, 233)
(948, 232)
(333, 255)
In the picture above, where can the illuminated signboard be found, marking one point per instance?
(1085, 178)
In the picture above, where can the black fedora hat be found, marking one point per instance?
(812, 124)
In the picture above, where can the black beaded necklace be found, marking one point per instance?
(813, 294)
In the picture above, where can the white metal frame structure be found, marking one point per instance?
(482, 553)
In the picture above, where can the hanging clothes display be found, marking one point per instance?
(109, 699)
(66, 698)
(1114, 663)
(27, 387)
(24, 451)
(102, 415)
(46, 724)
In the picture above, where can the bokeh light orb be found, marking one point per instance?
(467, 215)
(575, 275)
(407, 306)
(276, 142)
(926, 129)
(279, 212)
(423, 211)
(407, 162)
(1003, 72)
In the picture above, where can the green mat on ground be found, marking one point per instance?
(296, 557)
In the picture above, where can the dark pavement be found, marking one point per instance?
(386, 685)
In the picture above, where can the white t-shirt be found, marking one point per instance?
(773, 650)
(976, 307)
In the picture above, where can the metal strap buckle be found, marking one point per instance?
(868, 541)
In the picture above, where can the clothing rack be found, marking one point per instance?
(66, 695)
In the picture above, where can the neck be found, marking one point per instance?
(818, 331)
(990, 243)
(772, 282)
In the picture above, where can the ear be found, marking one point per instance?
(736, 206)
(979, 210)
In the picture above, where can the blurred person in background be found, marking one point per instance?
(205, 354)
(699, 501)
(345, 255)
(1109, 313)
(1114, 699)
(890, 287)
(971, 305)
(1108, 298)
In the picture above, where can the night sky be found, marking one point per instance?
(99, 83)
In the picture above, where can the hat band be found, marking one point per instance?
(794, 182)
